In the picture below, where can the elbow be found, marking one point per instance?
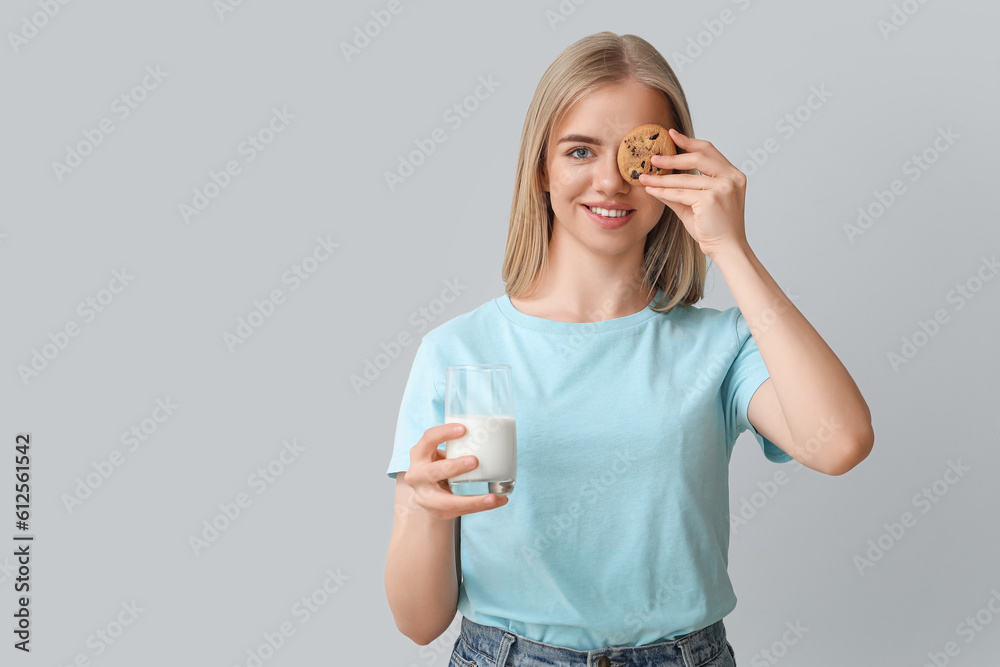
(421, 635)
(417, 625)
(417, 637)
(414, 631)
(854, 453)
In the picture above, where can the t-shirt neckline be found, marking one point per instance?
(555, 326)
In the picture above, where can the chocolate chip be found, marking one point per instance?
(643, 164)
(652, 137)
(635, 174)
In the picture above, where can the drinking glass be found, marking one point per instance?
(479, 396)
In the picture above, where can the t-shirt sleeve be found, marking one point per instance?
(742, 380)
(422, 406)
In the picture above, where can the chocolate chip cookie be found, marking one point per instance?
(636, 148)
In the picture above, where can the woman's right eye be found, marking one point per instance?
(579, 148)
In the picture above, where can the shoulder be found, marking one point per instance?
(460, 326)
(707, 323)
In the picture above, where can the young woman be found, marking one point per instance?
(613, 548)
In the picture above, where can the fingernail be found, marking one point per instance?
(457, 428)
(469, 462)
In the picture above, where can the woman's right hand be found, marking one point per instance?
(429, 472)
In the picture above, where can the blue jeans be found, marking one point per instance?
(488, 646)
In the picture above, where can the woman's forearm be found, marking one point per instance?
(421, 573)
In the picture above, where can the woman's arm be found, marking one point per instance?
(421, 569)
(809, 388)
(827, 423)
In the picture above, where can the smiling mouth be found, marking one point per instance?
(612, 213)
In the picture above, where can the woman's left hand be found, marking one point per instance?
(710, 204)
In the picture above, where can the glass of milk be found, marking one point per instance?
(479, 397)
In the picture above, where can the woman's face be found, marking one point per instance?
(581, 168)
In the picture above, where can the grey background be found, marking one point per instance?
(323, 176)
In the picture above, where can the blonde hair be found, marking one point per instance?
(672, 260)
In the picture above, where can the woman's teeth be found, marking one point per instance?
(617, 213)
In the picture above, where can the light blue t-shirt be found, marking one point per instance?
(617, 531)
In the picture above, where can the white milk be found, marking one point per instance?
(491, 439)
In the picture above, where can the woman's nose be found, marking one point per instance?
(607, 177)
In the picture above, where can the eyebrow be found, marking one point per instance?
(580, 138)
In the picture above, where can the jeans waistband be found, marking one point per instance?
(502, 647)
